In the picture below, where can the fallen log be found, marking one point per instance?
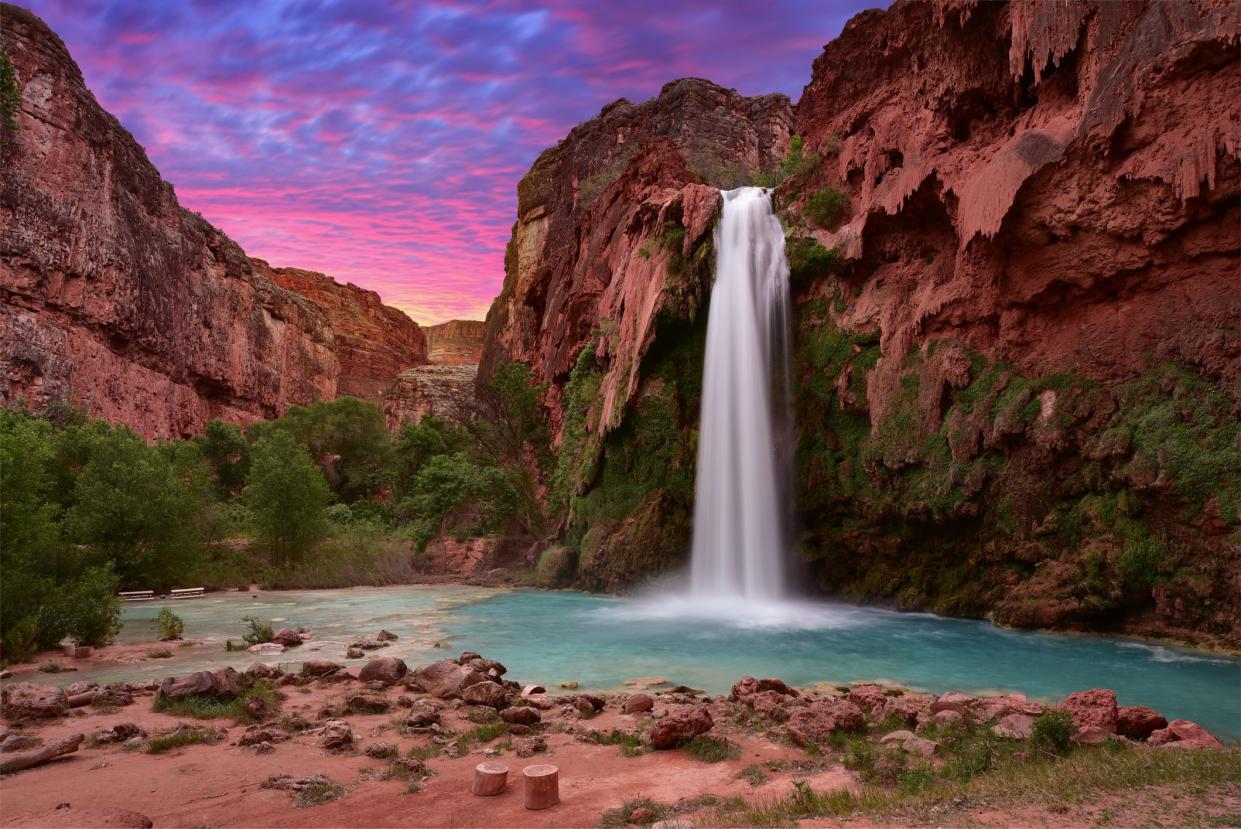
(84, 698)
(17, 762)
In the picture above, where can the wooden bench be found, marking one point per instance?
(187, 593)
(137, 596)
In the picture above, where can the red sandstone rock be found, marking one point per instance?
(1096, 707)
(26, 700)
(637, 704)
(747, 686)
(387, 669)
(1184, 734)
(455, 343)
(815, 722)
(679, 728)
(374, 342)
(443, 391)
(870, 698)
(1137, 722)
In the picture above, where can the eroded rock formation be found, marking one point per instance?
(440, 391)
(1014, 238)
(375, 342)
(115, 298)
(455, 343)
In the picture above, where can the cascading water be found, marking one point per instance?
(740, 526)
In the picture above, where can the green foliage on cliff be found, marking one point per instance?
(10, 93)
(826, 207)
(809, 260)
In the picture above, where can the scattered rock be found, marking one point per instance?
(261, 670)
(386, 636)
(321, 667)
(571, 684)
(529, 746)
(368, 645)
(263, 748)
(638, 704)
(266, 648)
(681, 727)
(367, 702)
(948, 717)
(422, 714)
(870, 698)
(386, 669)
(817, 721)
(336, 735)
(771, 704)
(748, 686)
(1137, 722)
(445, 679)
(523, 715)
(113, 696)
(27, 701)
(489, 667)
(16, 742)
(381, 751)
(287, 782)
(222, 682)
(287, 637)
(256, 735)
(952, 701)
(354, 653)
(1184, 734)
(486, 693)
(119, 733)
(531, 690)
(1090, 735)
(907, 707)
(1095, 707)
(911, 743)
(1014, 727)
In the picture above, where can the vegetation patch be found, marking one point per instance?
(712, 749)
(182, 737)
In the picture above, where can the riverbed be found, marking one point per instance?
(602, 642)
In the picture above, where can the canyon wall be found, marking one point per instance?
(115, 298)
(1013, 230)
(455, 343)
(375, 342)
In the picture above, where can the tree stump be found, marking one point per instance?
(542, 786)
(489, 779)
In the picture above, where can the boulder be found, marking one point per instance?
(287, 637)
(523, 715)
(368, 645)
(1096, 707)
(119, 733)
(445, 679)
(28, 701)
(112, 696)
(261, 670)
(266, 648)
(993, 708)
(1137, 722)
(748, 686)
(254, 736)
(222, 682)
(530, 746)
(771, 704)
(638, 704)
(354, 653)
(1091, 735)
(1184, 734)
(952, 701)
(386, 636)
(911, 743)
(336, 735)
(948, 718)
(422, 714)
(17, 742)
(681, 727)
(1014, 727)
(486, 693)
(386, 669)
(906, 707)
(490, 667)
(531, 690)
(815, 723)
(320, 667)
(870, 698)
(595, 701)
(290, 783)
(367, 702)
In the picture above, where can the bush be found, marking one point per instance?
(1053, 731)
(10, 93)
(170, 625)
(93, 610)
(259, 632)
(555, 567)
(826, 206)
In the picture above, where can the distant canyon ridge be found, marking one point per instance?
(115, 298)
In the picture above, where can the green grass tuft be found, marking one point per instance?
(712, 749)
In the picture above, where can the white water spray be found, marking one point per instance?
(740, 527)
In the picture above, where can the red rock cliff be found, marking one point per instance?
(455, 343)
(374, 342)
(1014, 235)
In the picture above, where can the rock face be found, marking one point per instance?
(374, 342)
(115, 298)
(455, 343)
(436, 390)
(1012, 231)
(109, 289)
(611, 253)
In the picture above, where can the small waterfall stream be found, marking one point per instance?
(743, 485)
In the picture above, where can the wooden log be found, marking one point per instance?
(542, 786)
(84, 698)
(18, 762)
(489, 779)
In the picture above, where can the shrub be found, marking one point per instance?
(826, 206)
(181, 737)
(93, 611)
(170, 625)
(1053, 731)
(10, 93)
(259, 632)
(712, 749)
(555, 567)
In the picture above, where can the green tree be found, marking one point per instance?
(287, 495)
(347, 436)
(417, 443)
(141, 508)
(10, 93)
(93, 610)
(448, 482)
(228, 452)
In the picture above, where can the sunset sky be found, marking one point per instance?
(381, 142)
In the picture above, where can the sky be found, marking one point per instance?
(381, 141)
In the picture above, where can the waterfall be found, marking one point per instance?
(743, 486)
